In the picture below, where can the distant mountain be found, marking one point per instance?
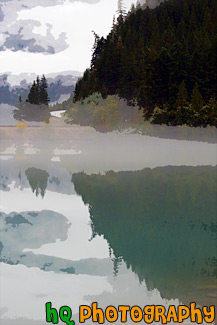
(150, 3)
(60, 86)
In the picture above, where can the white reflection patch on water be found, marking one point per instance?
(35, 288)
(78, 245)
(29, 150)
(9, 151)
(2, 208)
(24, 291)
(55, 159)
(62, 152)
(6, 157)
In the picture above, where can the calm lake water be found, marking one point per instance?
(116, 218)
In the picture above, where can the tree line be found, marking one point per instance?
(163, 60)
(38, 94)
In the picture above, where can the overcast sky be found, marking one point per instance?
(44, 36)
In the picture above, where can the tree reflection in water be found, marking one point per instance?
(163, 223)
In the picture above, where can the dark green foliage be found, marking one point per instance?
(38, 179)
(197, 101)
(150, 53)
(43, 95)
(121, 11)
(31, 112)
(181, 102)
(33, 97)
(38, 92)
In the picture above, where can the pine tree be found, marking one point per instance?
(33, 94)
(20, 98)
(121, 11)
(114, 30)
(195, 107)
(38, 92)
(181, 101)
(43, 95)
(138, 5)
(97, 48)
(132, 9)
(182, 95)
(197, 101)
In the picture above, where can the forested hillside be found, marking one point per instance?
(163, 59)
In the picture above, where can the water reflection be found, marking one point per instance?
(31, 113)
(162, 222)
(31, 229)
(38, 180)
(120, 238)
(23, 233)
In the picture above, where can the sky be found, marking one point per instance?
(44, 36)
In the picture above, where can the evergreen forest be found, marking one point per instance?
(164, 60)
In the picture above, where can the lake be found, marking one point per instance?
(117, 218)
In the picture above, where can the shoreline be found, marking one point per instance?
(182, 133)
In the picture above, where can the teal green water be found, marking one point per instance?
(162, 223)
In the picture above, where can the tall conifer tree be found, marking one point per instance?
(38, 92)
(43, 95)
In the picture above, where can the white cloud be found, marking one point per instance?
(75, 19)
(21, 34)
